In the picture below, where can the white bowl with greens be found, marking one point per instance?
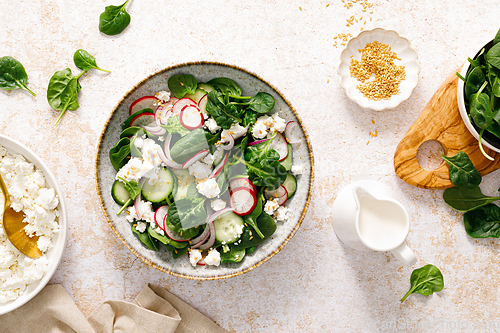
(154, 168)
(478, 95)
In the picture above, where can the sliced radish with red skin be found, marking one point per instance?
(280, 145)
(191, 117)
(258, 141)
(160, 214)
(243, 200)
(177, 108)
(195, 158)
(146, 102)
(219, 167)
(280, 194)
(161, 113)
(230, 145)
(202, 105)
(241, 182)
(142, 119)
(290, 137)
(172, 234)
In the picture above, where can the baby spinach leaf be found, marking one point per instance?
(474, 81)
(251, 219)
(133, 188)
(86, 61)
(114, 19)
(425, 280)
(267, 173)
(265, 223)
(182, 84)
(174, 126)
(128, 121)
(262, 102)
(466, 199)
(249, 117)
(187, 213)
(13, 75)
(462, 172)
(146, 238)
(62, 92)
(480, 108)
(188, 233)
(483, 222)
(496, 40)
(132, 131)
(226, 86)
(166, 240)
(260, 151)
(224, 114)
(193, 143)
(493, 56)
(233, 255)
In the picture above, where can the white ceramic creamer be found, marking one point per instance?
(365, 218)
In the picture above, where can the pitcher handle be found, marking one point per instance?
(405, 255)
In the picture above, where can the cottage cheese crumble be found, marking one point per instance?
(28, 192)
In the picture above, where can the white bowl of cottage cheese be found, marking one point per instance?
(34, 190)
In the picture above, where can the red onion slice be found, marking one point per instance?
(155, 130)
(218, 213)
(230, 145)
(210, 242)
(288, 133)
(198, 241)
(259, 141)
(166, 161)
(195, 158)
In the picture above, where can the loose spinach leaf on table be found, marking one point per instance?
(182, 84)
(462, 172)
(425, 280)
(466, 199)
(86, 61)
(146, 238)
(114, 19)
(483, 222)
(13, 75)
(62, 92)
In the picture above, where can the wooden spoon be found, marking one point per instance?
(13, 226)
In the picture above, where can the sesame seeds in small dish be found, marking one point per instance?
(378, 69)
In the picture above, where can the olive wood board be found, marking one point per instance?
(440, 121)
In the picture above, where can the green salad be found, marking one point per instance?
(204, 170)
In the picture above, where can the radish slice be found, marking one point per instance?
(243, 200)
(219, 167)
(290, 137)
(180, 104)
(230, 145)
(241, 182)
(146, 102)
(202, 104)
(195, 158)
(279, 144)
(280, 194)
(161, 113)
(210, 242)
(258, 141)
(191, 117)
(160, 216)
(142, 119)
(172, 234)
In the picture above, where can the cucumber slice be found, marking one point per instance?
(198, 94)
(134, 116)
(119, 193)
(290, 184)
(228, 228)
(287, 162)
(161, 189)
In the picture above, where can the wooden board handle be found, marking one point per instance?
(440, 121)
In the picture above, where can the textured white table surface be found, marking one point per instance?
(315, 284)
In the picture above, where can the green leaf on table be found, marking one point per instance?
(114, 19)
(483, 222)
(62, 92)
(13, 75)
(182, 84)
(425, 280)
(462, 172)
(85, 61)
(466, 199)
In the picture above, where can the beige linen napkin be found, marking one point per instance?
(153, 310)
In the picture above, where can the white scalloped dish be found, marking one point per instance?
(404, 52)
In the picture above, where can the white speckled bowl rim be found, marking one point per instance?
(162, 260)
(55, 253)
(405, 52)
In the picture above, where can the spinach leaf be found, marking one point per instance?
(483, 222)
(182, 84)
(133, 188)
(251, 219)
(466, 199)
(266, 224)
(225, 114)
(174, 126)
(132, 131)
(166, 240)
(13, 75)
(120, 153)
(425, 280)
(187, 213)
(268, 173)
(188, 233)
(262, 102)
(496, 40)
(249, 117)
(128, 121)
(191, 144)
(114, 19)
(462, 172)
(146, 238)
(475, 79)
(226, 86)
(261, 151)
(86, 61)
(480, 108)
(233, 255)
(493, 56)
(62, 92)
